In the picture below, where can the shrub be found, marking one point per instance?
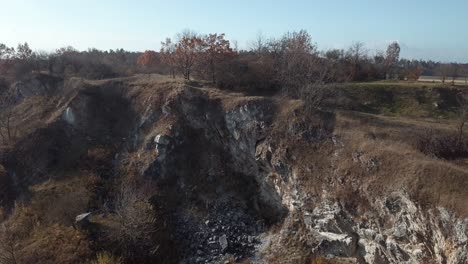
(317, 260)
(6, 188)
(106, 258)
(445, 146)
(133, 223)
(7, 245)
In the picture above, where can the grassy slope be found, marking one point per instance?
(388, 121)
(404, 99)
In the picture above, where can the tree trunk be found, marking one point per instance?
(8, 127)
(2, 136)
(212, 67)
(213, 74)
(460, 134)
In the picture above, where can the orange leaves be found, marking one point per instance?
(194, 51)
(147, 59)
(217, 46)
(187, 51)
(216, 49)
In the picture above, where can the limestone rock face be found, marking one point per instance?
(242, 177)
(83, 220)
(402, 237)
(162, 144)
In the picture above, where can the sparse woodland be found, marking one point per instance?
(267, 65)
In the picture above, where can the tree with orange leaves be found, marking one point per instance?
(217, 49)
(188, 50)
(414, 73)
(147, 59)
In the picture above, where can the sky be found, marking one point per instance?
(425, 29)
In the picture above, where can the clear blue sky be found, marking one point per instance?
(427, 29)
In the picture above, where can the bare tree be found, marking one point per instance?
(6, 56)
(454, 71)
(6, 53)
(7, 128)
(24, 52)
(443, 71)
(167, 52)
(300, 70)
(314, 94)
(135, 220)
(462, 118)
(391, 58)
(298, 62)
(356, 54)
(259, 45)
(464, 73)
(7, 246)
(335, 62)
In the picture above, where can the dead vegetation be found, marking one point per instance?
(132, 222)
(415, 156)
(8, 128)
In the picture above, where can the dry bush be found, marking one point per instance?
(51, 244)
(106, 258)
(22, 221)
(441, 145)
(354, 201)
(317, 260)
(60, 201)
(8, 128)
(463, 117)
(55, 244)
(315, 94)
(435, 182)
(6, 188)
(133, 223)
(8, 251)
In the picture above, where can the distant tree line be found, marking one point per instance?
(16, 64)
(285, 63)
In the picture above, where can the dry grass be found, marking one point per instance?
(401, 166)
(106, 258)
(34, 242)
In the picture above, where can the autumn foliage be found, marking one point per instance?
(192, 50)
(147, 59)
(188, 50)
(217, 49)
(414, 73)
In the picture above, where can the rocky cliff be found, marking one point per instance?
(239, 178)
